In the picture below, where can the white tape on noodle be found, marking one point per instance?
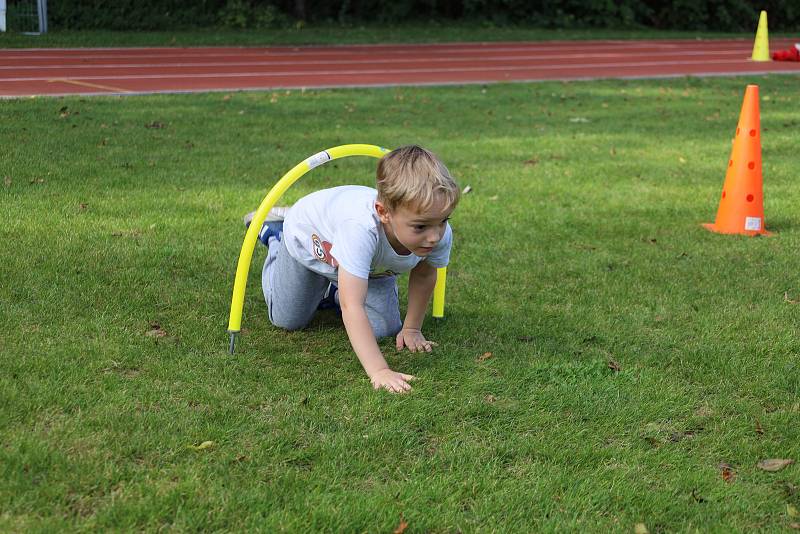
(318, 159)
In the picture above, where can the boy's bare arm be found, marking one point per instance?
(352, 295)
(421, 282)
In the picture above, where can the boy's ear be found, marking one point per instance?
(383, 212)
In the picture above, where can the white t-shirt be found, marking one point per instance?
(340, 227)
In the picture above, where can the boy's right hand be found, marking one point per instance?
(391, 381)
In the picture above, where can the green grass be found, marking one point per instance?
(579, 245)
(330, 34)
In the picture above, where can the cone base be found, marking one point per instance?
(712, 227)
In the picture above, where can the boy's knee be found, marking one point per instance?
(289, 326)
(287, 322)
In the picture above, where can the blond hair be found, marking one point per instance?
(413, 177)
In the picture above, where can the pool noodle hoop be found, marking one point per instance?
(250, 238)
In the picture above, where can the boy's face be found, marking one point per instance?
(412, 231)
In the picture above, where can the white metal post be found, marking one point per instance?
(2, 15)
(42, 16)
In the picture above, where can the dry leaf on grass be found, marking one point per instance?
(127, 233)
(728, 474)
(641, 528)
(401, 527)
(7, 181)
(787, 299)
(774, 464)
(155, 331)
(202, 446)
(792, 511)
(485, 356)
(614, 366)
(466, 190)
(759, 428)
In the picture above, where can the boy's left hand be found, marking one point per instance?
(414, 340)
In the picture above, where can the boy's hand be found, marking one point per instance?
(392, 381)
(414, 340)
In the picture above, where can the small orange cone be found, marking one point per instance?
(741, 208)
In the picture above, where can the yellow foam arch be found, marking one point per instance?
(250, 238)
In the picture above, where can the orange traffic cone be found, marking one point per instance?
(741, 208)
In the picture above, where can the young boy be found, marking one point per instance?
(344, 247)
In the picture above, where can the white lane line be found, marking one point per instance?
(382, 71)
(389, 85)
(210, 53)
(372, 46)
(742, 54)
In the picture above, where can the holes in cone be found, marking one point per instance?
(730, 163)
(751, 165)
(738, 130)
(723, 194)
(749, 198)
(752, 133)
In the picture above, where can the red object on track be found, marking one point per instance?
(792, 54)
(169, 70)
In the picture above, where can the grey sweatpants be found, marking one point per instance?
(293, 292)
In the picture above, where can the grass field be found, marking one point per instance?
(640, 366)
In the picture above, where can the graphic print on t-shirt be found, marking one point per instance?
(322, 250)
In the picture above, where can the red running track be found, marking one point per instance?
(169, 70)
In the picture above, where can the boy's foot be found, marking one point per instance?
(273, 225)
(277, 213)
(328, 301)
(270, 230)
